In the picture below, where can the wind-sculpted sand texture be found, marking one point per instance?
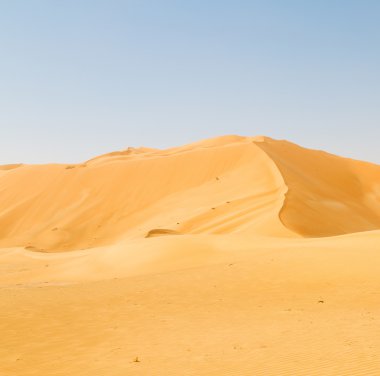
(231, 256)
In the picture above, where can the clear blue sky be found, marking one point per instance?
(83, 77)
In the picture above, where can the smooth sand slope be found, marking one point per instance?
(230, 256)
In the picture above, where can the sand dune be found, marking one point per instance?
(229, 256)
(224, 185)
(327, 195)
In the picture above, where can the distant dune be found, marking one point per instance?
(229, 256)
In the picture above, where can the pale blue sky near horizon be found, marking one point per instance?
(81, 78)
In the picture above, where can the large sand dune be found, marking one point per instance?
(229, 256)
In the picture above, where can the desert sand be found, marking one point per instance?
(230, 256)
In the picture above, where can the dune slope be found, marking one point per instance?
(218, 187)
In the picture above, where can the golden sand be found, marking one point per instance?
(231, 256)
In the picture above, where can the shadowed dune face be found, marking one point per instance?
(9, 166)
(160, 232)
(219, 186)
(327, 195)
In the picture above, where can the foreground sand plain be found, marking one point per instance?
(231, 256)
